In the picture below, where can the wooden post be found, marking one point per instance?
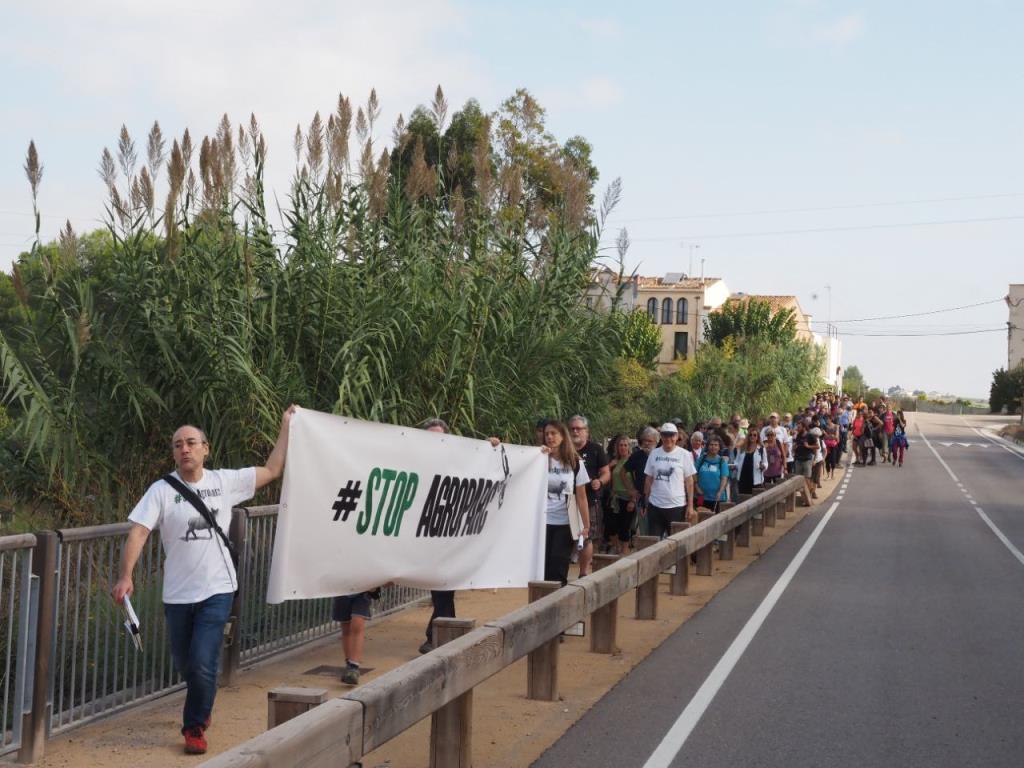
(647, 593)
(769, 515)
(791, 502)
(743, 534)
(284, 703)
(726, 548)
(36, 722)
(680, 581)
(780, 510)
(232, 652)
(704, 554)
(757, 524)
(542, 664)
(451, 727)
(604, 622)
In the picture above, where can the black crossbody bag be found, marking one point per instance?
(193, 498)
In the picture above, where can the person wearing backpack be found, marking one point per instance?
(192, 507)
(751, 463)
(712, 474)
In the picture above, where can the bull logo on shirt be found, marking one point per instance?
(196, 524)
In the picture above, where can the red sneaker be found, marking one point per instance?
(195, 741)
(206, 724)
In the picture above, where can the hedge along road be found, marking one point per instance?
(895, 643)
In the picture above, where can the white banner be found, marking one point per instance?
(364, 504)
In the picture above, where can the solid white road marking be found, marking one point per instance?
(680, 731)
(981, 513)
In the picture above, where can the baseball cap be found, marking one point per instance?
(668, 428)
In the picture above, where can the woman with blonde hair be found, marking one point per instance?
(567, 480)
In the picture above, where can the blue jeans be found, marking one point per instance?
(196, 631)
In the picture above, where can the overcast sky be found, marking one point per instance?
(873, 147)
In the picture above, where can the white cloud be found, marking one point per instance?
(842, 31)
(601, 92)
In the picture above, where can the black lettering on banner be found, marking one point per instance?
(476, 490)
(444, 494)
(423, 529)
(458, 488)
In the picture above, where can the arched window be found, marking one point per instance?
(652, 310)
(682, 312)
(666, 311)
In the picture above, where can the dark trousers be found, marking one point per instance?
(444, 608)
(557, 553)
(660, 519)
(196, 632)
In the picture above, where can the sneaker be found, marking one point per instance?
(350, 675)
(427, 647)
(195, 741)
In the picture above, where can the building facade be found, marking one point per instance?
(677, 305)
(1015, 326)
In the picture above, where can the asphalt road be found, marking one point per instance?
(899, 640)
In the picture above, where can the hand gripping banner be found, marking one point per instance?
(364, 504)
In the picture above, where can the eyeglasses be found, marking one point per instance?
(191, 443)
(577, 429)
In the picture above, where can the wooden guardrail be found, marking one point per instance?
(342, 730)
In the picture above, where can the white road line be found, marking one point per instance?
(981, 513)
(1006, 448)
(680, 731)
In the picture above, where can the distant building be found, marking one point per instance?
(676, 303)
(1015, 326)
(832, 366)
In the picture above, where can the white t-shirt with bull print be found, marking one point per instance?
(669, 471)
(197, 563)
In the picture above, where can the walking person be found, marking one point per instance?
(442, 600)
(669, 483)
(900, 444)
(567, 483)
(775, 452)
(619, 522)
(192, 508)
(751, 463)
(805, 446)
(596, 461)
(647, 440)
(712, 474)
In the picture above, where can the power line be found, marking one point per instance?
(914, 314)
(946, 333)
(815, 230)
(852, 206)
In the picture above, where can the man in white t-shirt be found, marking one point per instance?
(669, 483)
(199, 577)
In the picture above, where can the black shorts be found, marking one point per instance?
(345, 607)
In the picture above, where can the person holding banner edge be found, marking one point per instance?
(567, 483)
(442, 600)
(199, 576)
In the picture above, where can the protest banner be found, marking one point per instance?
(365, 503)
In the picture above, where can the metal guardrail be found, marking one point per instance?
(16, 599)
(341, 731)
(66, 658)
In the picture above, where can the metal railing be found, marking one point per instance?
(66, 657)
(16, 592)
(268, 629)
(97, 669)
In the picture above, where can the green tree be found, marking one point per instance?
(371, 299)
(641, 339)
(749, 319)
(853, 381)
(1007, 390)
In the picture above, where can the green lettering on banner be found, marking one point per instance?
(363, 522)
(389, 476)
(407, 498)
(423, 529)
(394, 503)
